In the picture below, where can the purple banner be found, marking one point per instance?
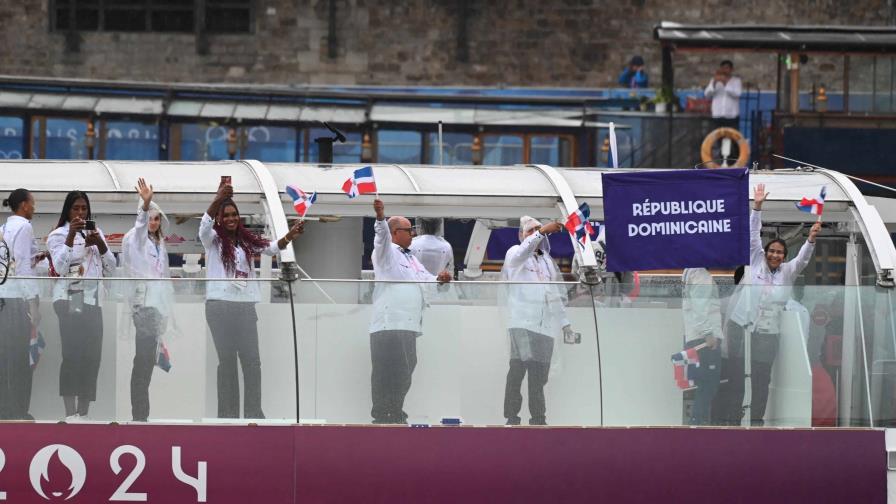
(676, 219)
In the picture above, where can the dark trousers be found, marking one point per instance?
(81, 334)
(763, 351)
(15, 369)
(530, 353)
(707, 382)
(393, 355)
(148, 322)
(235, 334)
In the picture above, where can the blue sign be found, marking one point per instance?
(676, 219)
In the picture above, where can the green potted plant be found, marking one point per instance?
(663, 99)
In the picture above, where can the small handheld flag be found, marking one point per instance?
(361, 182)
(36, 347)
(577, 223)
(163, 358)
(301, 200)
(685, 366)
(814, 205)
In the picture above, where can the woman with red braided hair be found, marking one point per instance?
(230, 250)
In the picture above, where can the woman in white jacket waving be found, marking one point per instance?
(145, 257)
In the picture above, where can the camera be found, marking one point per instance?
(90, 225)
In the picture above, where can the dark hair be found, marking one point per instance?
(636, 61)
(429, 226)
(738, 274)
(70, 199)
(727, 62)
(776, 240)
(251, 243)
(16, 198)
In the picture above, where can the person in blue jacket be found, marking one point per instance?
(634, 75)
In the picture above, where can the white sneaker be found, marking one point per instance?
(72, 418)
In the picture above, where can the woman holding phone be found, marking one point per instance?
(230, 251)
(79, 257)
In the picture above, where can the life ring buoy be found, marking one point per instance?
(717, 134)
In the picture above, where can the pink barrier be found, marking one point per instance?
(286, 464)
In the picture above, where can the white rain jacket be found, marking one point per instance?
(535, 306)
(142, 257)
(700, 306)
(78, 266)
(397, 306)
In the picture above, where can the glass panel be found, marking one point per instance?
(203, 142)
(270, 143)
(459, 364)
(188, 390)
(400, 147)
(883, 85)
(502, 150)
(172, 20)
(456, 149)
(124, 19)
(550, 150)
(12, 144)
(131, 140)
(861, 80)
(64, 137)
(222, 20)
(348, 152)
(822, 71)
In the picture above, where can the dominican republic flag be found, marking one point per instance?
(577, 223)
(813, 205)
(362, 182)
(36, 347)
(163, 358)
(685, 366)
(301, 200)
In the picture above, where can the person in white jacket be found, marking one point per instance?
(19, 313)
(144, 256)
(79, 258)
(433, 251)
(701, 310)
(756, 309)
(230, 251)
(536, 314)
(397, 315)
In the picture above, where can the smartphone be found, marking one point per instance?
(90, 225)
(225, 179)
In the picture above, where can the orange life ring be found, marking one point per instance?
(718, 134)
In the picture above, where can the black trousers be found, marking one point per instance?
(707, 382)
(530, 353)
(728, 406)
(15, 369)
(82, 346)
(393, 356)
(234, 327)
(149, 324)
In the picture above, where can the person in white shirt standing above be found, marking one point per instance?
(230, 251)
(725, 89)
(701, 310)
(536, 314)
(144, 256)
(79, 256)
(433, 251)
(756, 311)
(18, 307)
(397, 315)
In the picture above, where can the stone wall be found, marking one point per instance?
(562, 43)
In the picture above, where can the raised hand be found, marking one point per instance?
(379, 208)
(297, 228)
(145, 192)
(813, 232)
(551, 227)
(225, 192)
(759, 196)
